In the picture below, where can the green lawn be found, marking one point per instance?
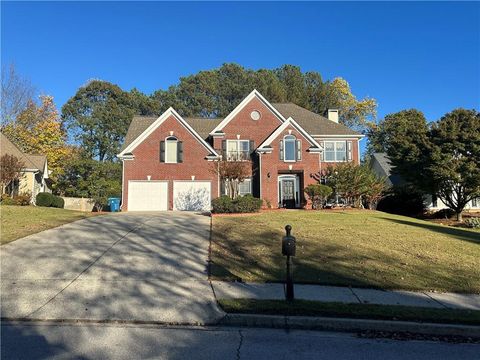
(359, 311)
(348, 248)
(20, 221)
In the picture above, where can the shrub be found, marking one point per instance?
(402, 200)
(473, 222)
(23, 199)
(44, 199)
(242, 204)
(318, 193)
(246, 204)
(7, 200)
(58, 202)
(443, 214)
(222, 204)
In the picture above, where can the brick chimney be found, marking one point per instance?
(333, 115)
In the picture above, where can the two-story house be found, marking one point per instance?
(169, 162)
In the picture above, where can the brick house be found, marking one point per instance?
(167, 161)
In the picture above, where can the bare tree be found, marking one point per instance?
(16, 92)
(233, 173)
(10, 170)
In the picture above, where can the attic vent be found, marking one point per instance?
(333, 115)
(255, 115)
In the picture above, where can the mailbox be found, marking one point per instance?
(288, 243)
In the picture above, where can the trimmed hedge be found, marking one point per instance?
(242, 204)
(49, 200)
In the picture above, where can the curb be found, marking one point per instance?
(348, 325)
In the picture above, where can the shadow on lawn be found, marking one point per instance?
(457, 233)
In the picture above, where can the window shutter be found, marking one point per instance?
(162, 151)
(252, 148)
(299, 150)
(322, 154)
(281, 149)
(224, 149)
(349, 151)
(179, 151)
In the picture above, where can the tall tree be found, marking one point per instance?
(99, 115)
(455, 158)
(38, 130)
(16, 93)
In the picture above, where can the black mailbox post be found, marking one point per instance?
(288, 250)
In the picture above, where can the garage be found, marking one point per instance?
(192, 195)
(147, 195)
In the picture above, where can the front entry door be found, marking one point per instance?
(288, 193)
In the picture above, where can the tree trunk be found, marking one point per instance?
(459, 216)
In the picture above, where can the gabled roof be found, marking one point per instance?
(266, 144)
(144, 127)
(31, 162)
(240, 106)
(384, 168)
(313, 123)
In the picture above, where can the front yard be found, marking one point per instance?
(20, 221)
(349, 248)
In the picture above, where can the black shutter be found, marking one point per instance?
(179, 151)
(281, 149)
(252, 148)
(162, 151)
(224, 149)
(299, 150)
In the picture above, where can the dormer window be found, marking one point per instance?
(290, 149)
(171, 150)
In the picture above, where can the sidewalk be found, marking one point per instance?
(236, 290)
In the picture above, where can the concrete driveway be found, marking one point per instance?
(132, 266)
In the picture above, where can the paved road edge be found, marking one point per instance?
(347, 325)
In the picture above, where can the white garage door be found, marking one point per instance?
(191, 195)
(147, 195)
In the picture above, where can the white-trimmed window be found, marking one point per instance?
(238, 150)
(290, 149)
(244, 188)
(171, 150)
(337, 151)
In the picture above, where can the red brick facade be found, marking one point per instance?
(267, 167)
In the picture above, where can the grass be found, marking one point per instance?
(357, 311)
(348, 248)
(20, 221)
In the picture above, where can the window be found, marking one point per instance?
(337, 151)
(238, 150)
(171, 150)
(475, 202)
(245, 187)
(290, 149)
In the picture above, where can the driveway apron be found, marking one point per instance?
(132, 267)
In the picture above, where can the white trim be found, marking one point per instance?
(123, 184)
(335, 151)
(240, 106)
(294, 148)
(238, 141)
(169, 112)
(277, 132)
(359, 136)
(260, 174)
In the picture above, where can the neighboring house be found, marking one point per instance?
(167, 161)
(34, 176)
(380, 164)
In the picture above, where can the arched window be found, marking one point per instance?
(171, 150)
(289, 148)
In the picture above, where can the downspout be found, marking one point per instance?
(123, 182)
(260, 173)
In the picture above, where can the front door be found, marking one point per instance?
(288, 193)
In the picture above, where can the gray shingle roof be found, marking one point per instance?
(34, 162)
(313, 123)
(384, 168)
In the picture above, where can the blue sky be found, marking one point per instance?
(423, 55)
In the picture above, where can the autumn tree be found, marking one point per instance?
(232, 173)
(38, 130)
(98, 116)
(10, 170)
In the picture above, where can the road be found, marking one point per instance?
(97, 341)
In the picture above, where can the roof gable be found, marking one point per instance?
(142, 130)
(31, 162)
(240, 106)
(290, 122)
